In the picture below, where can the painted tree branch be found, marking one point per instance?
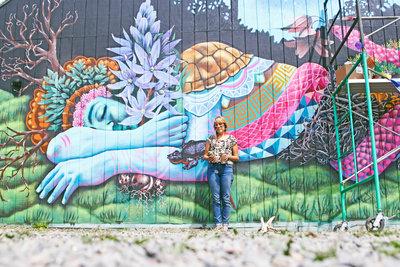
(34, 35)
(19, 154)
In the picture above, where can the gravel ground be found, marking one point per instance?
(26, 246)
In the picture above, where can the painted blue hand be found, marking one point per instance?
(69, 175)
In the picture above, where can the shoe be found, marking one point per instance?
(225, 227)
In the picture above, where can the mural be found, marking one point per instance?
(120, 137)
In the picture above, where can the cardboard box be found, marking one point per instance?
(342, 71)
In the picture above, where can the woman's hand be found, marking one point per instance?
(207, 155)
(224, 158)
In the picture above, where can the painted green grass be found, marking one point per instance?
(31, 175)
(5, 96)
(16, 108)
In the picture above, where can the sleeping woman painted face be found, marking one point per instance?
(97, 147)
(104, 114)
(97, 110)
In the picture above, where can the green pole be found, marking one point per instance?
(370, 117)
(337, 136)
(353, 142)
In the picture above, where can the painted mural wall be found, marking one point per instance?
(106, 105)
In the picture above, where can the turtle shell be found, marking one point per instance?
(211, 63)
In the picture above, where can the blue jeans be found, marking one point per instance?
(220, 178)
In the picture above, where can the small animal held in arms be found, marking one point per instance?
(189, 155)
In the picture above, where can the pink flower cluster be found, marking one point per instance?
(80, 107)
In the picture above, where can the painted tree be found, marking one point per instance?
(35, 36)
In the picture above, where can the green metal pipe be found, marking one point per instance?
(370, 117)
(350, 187)
(339, 160)
(353, 142)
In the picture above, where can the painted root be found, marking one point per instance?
(140, 186)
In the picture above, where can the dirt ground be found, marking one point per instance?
(29, 246)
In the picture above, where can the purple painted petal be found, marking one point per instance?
(121, 41)
(149, 114)
(124, 68)
(117, 85)
(131, 111)
(142, 56)
(121, 50)
(159, 85)
(172, 109)
(165, 37)
(137, 68)
(152, 17)
(135, 34)
(155, 28)
(123, 95)
(119, 74)
(155, 102)
(142, 25)
(141, 98)
(175, 95)
(133, 102)
(165, 77)
(155, 53)
(126, 35)
(146, 86)
(145, 78)
(166, 62)
(129, 89)
(148, 41)
(168, 48)
(133, 120)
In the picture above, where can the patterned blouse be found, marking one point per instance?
(221, 146)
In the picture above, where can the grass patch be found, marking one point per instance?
(141, 241)
(109, 237)
(391, 248)
(323, 255)
(289, 243)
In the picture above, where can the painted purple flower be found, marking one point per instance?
(151, 67)
(167, 45)
(127, 79)
(169, 96)
(124, 52)
(140, 107)
(146, 26)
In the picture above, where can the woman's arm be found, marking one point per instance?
(83, 142)
(234, 157)
(207, 155)
(69, 175)
(235, 154)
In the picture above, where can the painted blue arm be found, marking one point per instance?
(83, 142)
(69, 175)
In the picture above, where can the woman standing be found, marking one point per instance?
(221, 151)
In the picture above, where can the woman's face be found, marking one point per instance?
(104, 113)
(219, 127)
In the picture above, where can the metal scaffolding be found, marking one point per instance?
(378, 221)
